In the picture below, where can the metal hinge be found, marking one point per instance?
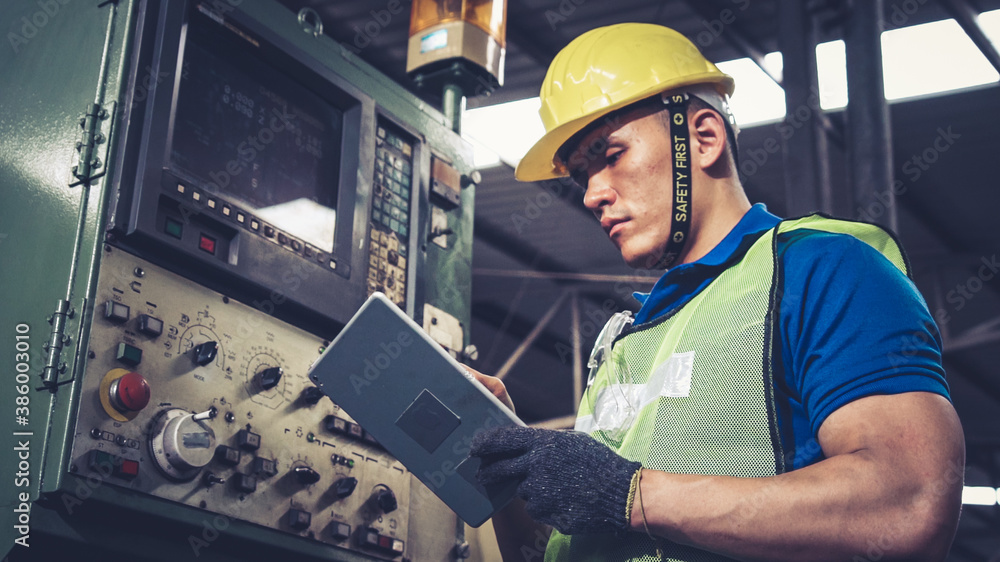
(54, 366)
(95, 141)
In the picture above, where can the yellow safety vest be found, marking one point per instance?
(692, 392)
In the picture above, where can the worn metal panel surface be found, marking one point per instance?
(52, 74)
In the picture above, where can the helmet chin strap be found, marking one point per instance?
(680, 182)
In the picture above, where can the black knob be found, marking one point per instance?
(305, 475)
(345, 486)
(270, 377)
(312, 395)
(205, 353)
(386, 500)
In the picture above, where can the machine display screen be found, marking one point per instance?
(252, 134)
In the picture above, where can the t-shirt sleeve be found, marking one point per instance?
(852, 325)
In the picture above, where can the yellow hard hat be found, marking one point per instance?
(606, 69)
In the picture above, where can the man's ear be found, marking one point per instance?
(708, 139)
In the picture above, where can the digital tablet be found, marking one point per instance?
(417, 401)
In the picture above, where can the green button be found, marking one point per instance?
(129, 354)
(174, 228)
(102, 462)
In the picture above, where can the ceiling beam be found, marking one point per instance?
(517, 327)
(733, 34)
(806, 159)
(529, 256)
(522, 348)
(935, 221)
(981, 334)
(516, 248)
(967, 17)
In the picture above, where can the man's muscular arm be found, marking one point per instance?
(891, 483)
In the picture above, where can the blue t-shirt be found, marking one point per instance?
(851, 324)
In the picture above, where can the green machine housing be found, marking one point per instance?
(197, 195)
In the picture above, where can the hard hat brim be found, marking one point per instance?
(542, 162)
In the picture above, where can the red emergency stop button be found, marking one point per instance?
(130, 393)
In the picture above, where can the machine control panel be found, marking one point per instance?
(389, 231)
(209, 405)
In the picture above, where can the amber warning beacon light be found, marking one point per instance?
(458, 42)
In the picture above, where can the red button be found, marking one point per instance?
(133, 392)
(207, 243)
(127, 469)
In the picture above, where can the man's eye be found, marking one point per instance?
(613, 157)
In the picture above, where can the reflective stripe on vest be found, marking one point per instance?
(692, 392)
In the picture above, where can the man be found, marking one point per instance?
(780, 394)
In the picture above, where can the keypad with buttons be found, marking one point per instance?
(389, 232)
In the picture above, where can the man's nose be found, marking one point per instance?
(599, 193)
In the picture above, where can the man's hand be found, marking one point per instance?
(494, 385)
(568, 480)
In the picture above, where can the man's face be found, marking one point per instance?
(626, 171)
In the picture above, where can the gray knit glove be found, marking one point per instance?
(568, 479)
